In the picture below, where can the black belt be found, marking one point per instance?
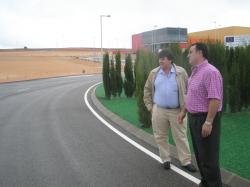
(198, 114)
(167, 107)
(201, 113)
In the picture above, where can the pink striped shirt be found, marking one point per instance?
(204, 83)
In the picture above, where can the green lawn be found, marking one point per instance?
(235, 137)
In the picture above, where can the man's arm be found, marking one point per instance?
(212, 110)
(183, 111)
(147, 96)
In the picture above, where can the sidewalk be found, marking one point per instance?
(228, 178)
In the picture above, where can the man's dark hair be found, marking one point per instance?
(201, 47)
(166, 53)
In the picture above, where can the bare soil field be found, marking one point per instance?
(18, 65)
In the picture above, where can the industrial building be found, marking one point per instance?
(230, 36)
(159, 38)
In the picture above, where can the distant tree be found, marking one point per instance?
(146, 61)
(129, 85)
(119, 81)
(106, 76)
(217, 56)
(234, 85)
(113, 81)
(247, 77)
(177, 53)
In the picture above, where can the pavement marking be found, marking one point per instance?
(23, 89)
(76, 76)
(154, 156)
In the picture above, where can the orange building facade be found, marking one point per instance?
(217, 34)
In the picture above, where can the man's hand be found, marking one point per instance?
(180, 117)
(206, 130)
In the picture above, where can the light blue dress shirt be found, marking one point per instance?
(166, 89)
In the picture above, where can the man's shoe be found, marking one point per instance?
(166, 165)
(190, 168)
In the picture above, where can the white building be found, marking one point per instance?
(237, 40)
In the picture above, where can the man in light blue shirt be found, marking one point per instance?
(164, 95)
(166, 89)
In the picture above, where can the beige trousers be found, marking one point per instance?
(162, 120)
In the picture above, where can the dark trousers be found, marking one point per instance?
(206, 149)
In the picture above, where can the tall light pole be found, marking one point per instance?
(179, 37)
(215, 31)
(219, 35)
(101, 16)
(155, 26)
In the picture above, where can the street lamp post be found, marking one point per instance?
(215, 34)
(219, 35)
(101, 16)
(155, 26)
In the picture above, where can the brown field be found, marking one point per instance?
(32, 64)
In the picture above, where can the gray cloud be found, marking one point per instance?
(51, 23)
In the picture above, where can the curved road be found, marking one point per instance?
(49, 138)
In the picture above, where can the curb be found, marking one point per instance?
(228, 178)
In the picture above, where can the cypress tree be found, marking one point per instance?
(234, 88)
(177, 53)
(146, 62)
(242, 77)
(129, 85)
(185, 63)
(247, 77)
(225, 75)
(105, 75)
(217, 57)
(119, 81)
(113, 84)
(136, 66)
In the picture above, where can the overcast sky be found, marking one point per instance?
(76, 23)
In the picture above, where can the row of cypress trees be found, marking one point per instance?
(112, 76)
(234, 65)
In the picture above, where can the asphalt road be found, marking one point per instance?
(49, 138)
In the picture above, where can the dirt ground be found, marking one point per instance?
(32, 64)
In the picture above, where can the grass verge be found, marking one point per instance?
(235, 136)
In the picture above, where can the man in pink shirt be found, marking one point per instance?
(204, 105)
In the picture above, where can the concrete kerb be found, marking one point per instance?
(228, 177)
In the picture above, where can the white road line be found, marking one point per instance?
(23, 89)
(154, 156)
(76, 76)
